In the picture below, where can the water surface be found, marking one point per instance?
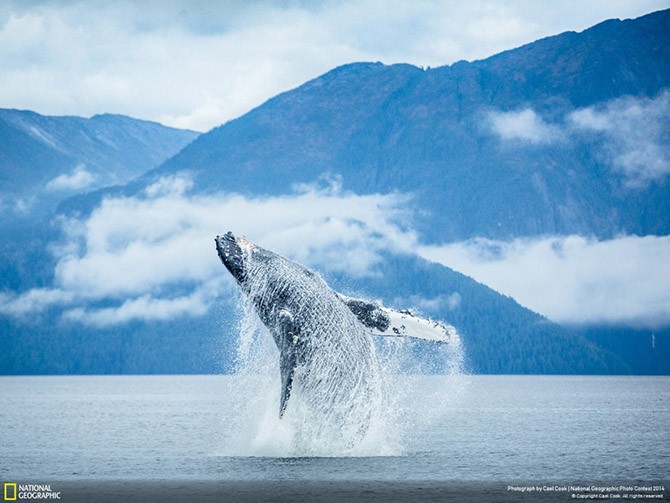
(450, 430)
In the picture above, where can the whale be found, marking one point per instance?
(325, 338)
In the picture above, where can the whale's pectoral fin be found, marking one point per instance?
(370, 314)
(407, 324)
(393, 323)
(288, 361)
(288, 369)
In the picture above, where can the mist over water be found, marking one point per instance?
(387, 414)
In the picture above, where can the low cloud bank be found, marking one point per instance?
(152, 257)
(524, 125)
(572, 279)
(134, 253)
(635, 136)
(79, 179)
(632, 133)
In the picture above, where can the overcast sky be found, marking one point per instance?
(197, 64)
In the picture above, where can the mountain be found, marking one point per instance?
(514, 145)
(567, 135)
(45, 159)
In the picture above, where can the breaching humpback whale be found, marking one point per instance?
(324, 338)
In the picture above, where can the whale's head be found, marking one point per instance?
(234, 253)
(259, 271)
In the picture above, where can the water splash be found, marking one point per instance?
(350, 397)
(409, 407)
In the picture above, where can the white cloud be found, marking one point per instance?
(573, 279)
(176, 185)
(524, 125)
(79, 179)
(198, 64)
(433, 305)
(24, 205)
(144, 308)
(35, 300)
(635, 139)
(636, 135)
(133, 252)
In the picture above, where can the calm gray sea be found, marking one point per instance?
(168, 438)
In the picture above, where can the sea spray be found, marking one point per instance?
(330, 412)
(411, 400)
(348, 396)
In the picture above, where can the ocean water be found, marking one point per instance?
(197, 437)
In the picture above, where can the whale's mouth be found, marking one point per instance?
(232, 255)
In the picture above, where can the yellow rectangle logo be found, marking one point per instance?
(10, 491)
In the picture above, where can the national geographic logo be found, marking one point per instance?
(23, 492)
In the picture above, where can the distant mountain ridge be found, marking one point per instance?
(107, 149)
(384, 128)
